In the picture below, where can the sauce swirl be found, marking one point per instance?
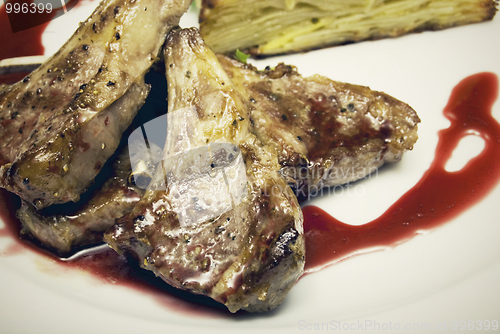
(439, 196)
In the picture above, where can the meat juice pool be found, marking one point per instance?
(439, 196)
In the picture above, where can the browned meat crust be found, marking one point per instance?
(325, 132)
(61, 123)
(86, 225)
(246, 258)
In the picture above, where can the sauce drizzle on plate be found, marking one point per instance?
(26, 42)
(439, 195)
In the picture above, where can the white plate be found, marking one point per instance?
(450, 274)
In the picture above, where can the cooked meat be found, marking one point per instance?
(85, 225)
(61, 123)
(325, 132)
(266, 27)
(247, 255)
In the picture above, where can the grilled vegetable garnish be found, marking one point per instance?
(263, 27)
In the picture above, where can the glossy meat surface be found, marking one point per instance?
(56, 127)
(65, 232)
(246, 258)
(325, 132)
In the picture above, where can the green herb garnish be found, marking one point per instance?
(241, 56)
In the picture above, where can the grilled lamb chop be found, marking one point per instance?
(85, 226)
(246, 258)
(325, 133)
(57, 128)
(267, 27)
(64, 229)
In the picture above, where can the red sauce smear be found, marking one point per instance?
(439, 195)
(11, 78)
(113, 268)
(109, 267)
(26, 42)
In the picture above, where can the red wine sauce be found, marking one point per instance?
(107, 266)
(26, 42)
(11, 78)
(23, 43)
(439, 195)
